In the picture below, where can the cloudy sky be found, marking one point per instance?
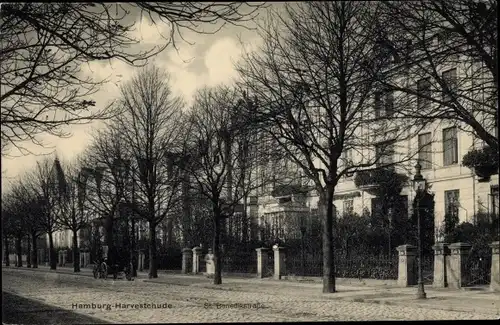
(207, 62)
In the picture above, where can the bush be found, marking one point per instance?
(484, 157)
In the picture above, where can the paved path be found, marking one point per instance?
(194, 299)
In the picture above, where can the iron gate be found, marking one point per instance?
(477, 268)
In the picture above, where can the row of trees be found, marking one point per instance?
(32, 207)
(314, 81)
(151, 161)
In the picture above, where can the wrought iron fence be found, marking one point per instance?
(478, 269)
(427, 268)
(240, 263)
(169, 258)
(308, 264)
(169, 261)
(370, 267)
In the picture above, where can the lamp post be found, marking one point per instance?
(420, 186)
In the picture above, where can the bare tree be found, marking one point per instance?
(102, 179)
(73, 213)
(218, 158)
(14, 224)
(6, 231)
(48, 188)
(449, 51)
(315, 99)
(43, 47)
(32, 207)
(151, 126)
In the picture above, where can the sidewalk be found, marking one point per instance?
(441, 299)
(84, 271)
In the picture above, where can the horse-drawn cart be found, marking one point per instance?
(115, 262)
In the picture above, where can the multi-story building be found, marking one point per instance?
(438, 145)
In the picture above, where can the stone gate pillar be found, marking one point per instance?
(456, 267)
(279, 262)
(406, 266)
(441, 255)
(495, 266)
(187, 260)
(196, 259)
(262, 261)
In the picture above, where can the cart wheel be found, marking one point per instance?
(104, 270)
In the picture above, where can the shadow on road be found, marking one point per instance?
(20, 310)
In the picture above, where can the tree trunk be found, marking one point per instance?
(244, 223)
(216, 248)
(28, 252)
(6, 250)
(169, 233)
(133, 258)
(186, 214)
(108, 228)
(328, 245)
(52, 253)
(19, 252)
(76, 252)
(153, 271)
(34, 255)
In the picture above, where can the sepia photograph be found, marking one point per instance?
(239, 162)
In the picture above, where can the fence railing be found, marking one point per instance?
(240, 263)
(427, 268)
(371, 267)
(478, 270)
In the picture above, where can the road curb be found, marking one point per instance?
(50, 271)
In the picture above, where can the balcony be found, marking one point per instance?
(379, 181)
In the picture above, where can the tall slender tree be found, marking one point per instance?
(73, 213)
(315, 99)
(219, 162)
(151, 126)
(102, 180)
(47, 187)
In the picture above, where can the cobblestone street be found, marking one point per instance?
(239, 301)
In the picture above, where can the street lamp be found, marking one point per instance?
(420, 186)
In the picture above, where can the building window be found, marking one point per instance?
(348, 206)
(495, 204)
(384, 103)
(425, 150)
(451, 202)
(423, 93)
(450, 146)
(449, 79)
(384, 153)
(346, 156)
